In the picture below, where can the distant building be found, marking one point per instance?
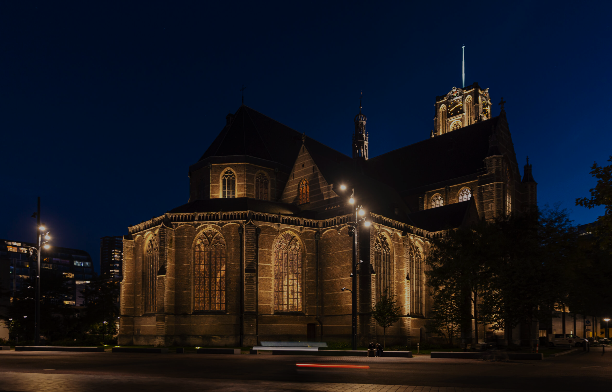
(111, 256)
(16, 261)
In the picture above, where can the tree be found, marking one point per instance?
(601, 195)
(101, 313)
(386, 312)
(445, 315)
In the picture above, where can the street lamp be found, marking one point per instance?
(607, 330)
(353, 230)
(43, 239)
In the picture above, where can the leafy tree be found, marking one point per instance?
(386, 312)
(101, 313)
(58, 319)
(445, 315)
(601, 195)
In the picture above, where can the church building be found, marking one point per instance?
(263, 249)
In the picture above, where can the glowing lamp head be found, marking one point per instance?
(367, 223)
(47, 237)
(42, 228)
(342, 187)
(606, 320)
(361, 212)
(352, 200)
(47, 246)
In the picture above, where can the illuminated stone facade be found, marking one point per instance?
(262, 249)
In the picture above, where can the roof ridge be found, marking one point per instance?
(429, 139)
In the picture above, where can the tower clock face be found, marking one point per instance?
(455, 108)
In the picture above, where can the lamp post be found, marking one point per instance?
(43, 239)
(607, 334)
(353, 230)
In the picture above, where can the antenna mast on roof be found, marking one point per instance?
(242, 90)
(463, 67)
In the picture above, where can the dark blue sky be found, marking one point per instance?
(104, 105)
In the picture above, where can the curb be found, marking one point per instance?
(565, 352)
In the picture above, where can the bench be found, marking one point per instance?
(61, 348)
(289, 346)
(218, 351)
(5, 347)
(151, 350)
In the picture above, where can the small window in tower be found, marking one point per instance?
(437, 201)
(228, 183)
(465, 194)
(303, 192)
(261, 187)
(508, 203)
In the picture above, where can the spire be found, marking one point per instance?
(501, 104)
(463, 67)
(360, 137)
(242, 91)
(527, 173)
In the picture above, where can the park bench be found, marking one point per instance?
(289, 346)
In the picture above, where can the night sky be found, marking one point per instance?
(104, 105)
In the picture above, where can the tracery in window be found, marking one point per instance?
(455, 125)
(465, 194)
(416, 282)
(469, 110)
(437, 201)
(261, 187)
(209, 271)
(228, 185)
(150, 269)
(382, 265)
(442, 119)
(287, 273)
(303, 192)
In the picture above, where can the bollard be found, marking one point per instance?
(418, 348)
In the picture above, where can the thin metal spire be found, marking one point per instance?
(360, 97)
(242, 90)
(463, 67)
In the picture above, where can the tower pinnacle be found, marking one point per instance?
(360, 137)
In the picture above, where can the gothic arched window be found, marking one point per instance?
(416, 283)
(382, 266)
(465, 194)
(261, 187)
(455, 125)
(303, 192)
(228, 185)
(442, 119)
(508, 203)
(437, 201)
(149, 272)
(287, 274)
(469, 110)
(209, 271)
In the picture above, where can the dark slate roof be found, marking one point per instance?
(455, 154)
(447, 217)
(238, 204)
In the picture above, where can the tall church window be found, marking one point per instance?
(382, 266)
(303, 192)
(437, 201)
(465, 194)
(228, 185)
(416, 287)
(508, 203)
(442, 119)
(287, 274)
(150, 269)
(209, 272)
(261, 187)
(469, 110)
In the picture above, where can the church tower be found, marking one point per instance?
(360, 137)
(461, 107)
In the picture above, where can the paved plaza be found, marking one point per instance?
(108, 372)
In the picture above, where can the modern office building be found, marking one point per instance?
(18, 263)
(111, 256)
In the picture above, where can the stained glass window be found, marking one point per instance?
(465, 194)
(261, 187)
(382, 265)
(151, 266)
(228, 183)
(209, 274)
(508, 203)
(303, 192)
(437, 201)
(287, 274)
